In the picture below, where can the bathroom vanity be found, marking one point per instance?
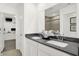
(42, 47)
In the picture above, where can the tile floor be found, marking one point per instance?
(13, 52)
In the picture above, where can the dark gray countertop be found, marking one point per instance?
(71, 49)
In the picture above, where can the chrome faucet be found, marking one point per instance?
(62, 39)
(59, 37)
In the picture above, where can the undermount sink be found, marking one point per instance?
(57, 43)
(36, 37)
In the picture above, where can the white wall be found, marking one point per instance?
(20, 25)
(41, 17)
(30, 21)
(30, 18)
(78, 20)
(7, 8)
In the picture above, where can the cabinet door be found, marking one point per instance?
(33, 51)
(47, 51)
(27, 47)
(43, 53)
(31, 48)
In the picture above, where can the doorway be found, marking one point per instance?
(8, 31)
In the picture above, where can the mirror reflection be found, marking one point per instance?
(52, 19)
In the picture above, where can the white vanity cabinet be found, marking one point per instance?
(31, 47)
(37, 49)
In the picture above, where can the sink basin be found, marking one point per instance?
(36, 37)
(57, 43)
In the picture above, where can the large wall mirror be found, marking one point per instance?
(52, 17)
(52, 20)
